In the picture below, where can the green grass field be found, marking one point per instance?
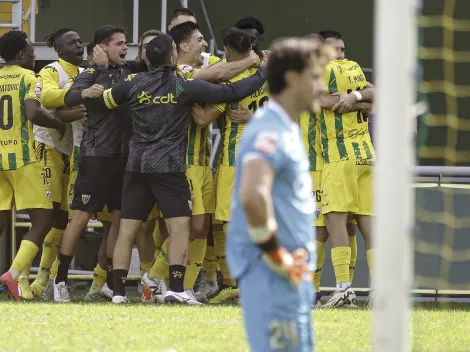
(80, 326)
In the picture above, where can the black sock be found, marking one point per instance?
(120, 278)
(109, 275)
(63, 270)
(177, 278)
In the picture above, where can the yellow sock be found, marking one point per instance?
(160, 267)
(24, 258)
(196, 251)
(320, 261)
(352, 263)
(99, 278)
(157, 238)
(25, 273)
(341, 256)
(49, 247)
(370, 262)
(54, 269)
(144, 267)
(210, 264)
(219, 247)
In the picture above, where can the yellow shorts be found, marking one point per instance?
(317, 193)
(57, 172)
(225, 179)
(200, 180)
(101, 216)
(26, 188)
(348, 187)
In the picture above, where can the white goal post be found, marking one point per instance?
(395, 65)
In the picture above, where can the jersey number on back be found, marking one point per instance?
(6, 122)
(360, 116)
(255, 104)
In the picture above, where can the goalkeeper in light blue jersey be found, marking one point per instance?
(271, 250)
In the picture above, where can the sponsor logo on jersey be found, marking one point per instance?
(49, 196)
(185, 69)
(130, 77)
(89, 70)
(146, 98)
(85, 198)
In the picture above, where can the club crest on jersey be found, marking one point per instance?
(266, 142)
(130, 77)
(85, 198)
(186, 68)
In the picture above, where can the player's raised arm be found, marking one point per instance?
(197, 90)
(225, 71)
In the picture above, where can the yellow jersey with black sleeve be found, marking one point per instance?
(16, 131)
(345, 136)
(199, 149)
(231, 132)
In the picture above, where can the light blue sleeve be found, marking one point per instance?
(266, 144)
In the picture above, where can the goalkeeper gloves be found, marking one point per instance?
(292, 266)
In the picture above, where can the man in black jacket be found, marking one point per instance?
(161, 109)
(104, 145)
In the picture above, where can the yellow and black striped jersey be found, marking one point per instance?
(199, 149)
(231, 132)
(310, 129)
(16, 131)
(345, 136)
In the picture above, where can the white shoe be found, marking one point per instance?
(185, 297)
(106, 292)
(156, 286)
(206, 290)
(120, 300)
(61, 292)
(340, 298)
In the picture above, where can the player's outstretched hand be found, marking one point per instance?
(95, 91)
(292, 266)
(100, 57)
(70, 114)
(256, 59)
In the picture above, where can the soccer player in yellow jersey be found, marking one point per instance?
(349, 158)
(22, 179)
(53, 151)
(190, 44)
(237, 47)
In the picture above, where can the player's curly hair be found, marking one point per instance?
(250, 22)
(236, 39)
(11, 44)
(52, 38)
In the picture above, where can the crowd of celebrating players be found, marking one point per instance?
(128, 142)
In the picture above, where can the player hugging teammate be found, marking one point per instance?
(95, 148)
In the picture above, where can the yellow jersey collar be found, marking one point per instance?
(70, 69)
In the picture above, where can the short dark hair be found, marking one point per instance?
(316, 36)
(159, 50)
(250, 22)
(183, 31)
(104, 33)
(329, 33)
(149, 33)
(54, 36)
(11, 44)
(290, 54)
(237, 39)
(89, 49)
(182, 11)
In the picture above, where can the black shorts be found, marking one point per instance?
(99, 183)
(141, 191)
